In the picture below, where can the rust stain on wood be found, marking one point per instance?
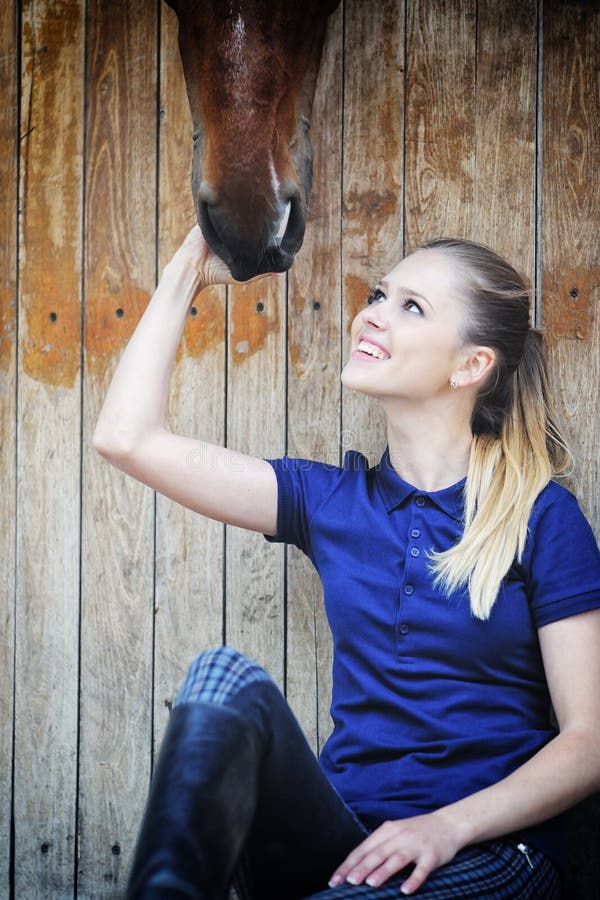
(370, 204)
(254, 315)
(567, 304)
(368, 213)
(52, 343)
(110, 321)
(8, 325)
(356, 291)
(205, 328)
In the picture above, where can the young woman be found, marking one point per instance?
(462, 586)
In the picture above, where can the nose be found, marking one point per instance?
(374, 316)
(253, 237)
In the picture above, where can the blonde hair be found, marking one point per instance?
(517, 446)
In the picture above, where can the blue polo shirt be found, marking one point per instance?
(429, 704)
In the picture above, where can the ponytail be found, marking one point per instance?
(517, 447)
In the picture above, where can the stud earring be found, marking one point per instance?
(453, 383)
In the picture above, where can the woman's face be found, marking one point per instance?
(406, 343)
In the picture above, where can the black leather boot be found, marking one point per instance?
(200, 806)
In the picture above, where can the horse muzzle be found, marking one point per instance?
(267, 243)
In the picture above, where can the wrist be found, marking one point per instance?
(458, 822)
(182, 276)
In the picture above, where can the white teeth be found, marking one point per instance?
(372, 350)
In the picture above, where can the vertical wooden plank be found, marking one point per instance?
(505, 131)
(256, 411)
(313, 384)
(570, 278)
(372, 233)
(569, 229)
(256, 425)
(118, 513)
(440, 129)
(48, 449)
(9, 120)
(189, 563)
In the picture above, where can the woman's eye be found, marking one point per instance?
(376, 296)
(413, 307)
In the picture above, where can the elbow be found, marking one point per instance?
(113, 444)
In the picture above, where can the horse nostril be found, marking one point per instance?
(207, 193)
(210, 228)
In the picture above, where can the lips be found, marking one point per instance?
(371, 349)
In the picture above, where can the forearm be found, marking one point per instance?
(558, 776)
(136, 401)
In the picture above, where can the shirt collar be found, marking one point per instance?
(394, 491)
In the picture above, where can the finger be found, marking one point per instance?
(354, 858)
(194, 235)
(416, 878)
(380, 865)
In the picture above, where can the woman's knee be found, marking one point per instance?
(219, 674)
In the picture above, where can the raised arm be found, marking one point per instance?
(131, 432)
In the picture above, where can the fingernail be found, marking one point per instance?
(352, 879)
(333, 882)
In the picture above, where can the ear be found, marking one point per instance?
(475, 366)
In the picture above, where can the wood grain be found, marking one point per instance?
(9, 43)
(505, 131)
(570, 278)
(118, 513)
(569, 230)
(372, 221)
(440, 122)
(313, 385)
(48, 488)
(189, 548)
(254, 611)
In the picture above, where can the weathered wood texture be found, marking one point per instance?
(570, 278)
(464, 117)
(48, 448)
(118, 515)
(9, 123)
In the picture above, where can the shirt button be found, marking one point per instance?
(404, 628)
(415, 551)
(408, 589)
(420, 501)
(415, 533)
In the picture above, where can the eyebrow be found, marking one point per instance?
(405, 290)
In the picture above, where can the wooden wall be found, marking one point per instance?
(475, 118)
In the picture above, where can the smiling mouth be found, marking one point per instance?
(372, 350)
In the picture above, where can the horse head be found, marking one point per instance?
(250, 69)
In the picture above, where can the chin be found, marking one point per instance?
(355, 381)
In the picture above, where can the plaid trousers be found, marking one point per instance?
(497, 870)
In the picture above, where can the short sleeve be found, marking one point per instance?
(303, 486)
(562, 558)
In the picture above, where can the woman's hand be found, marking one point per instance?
(427, 841)
(195, 253)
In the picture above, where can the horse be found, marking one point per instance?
(250, 69)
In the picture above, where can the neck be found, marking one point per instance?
(429, 449)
